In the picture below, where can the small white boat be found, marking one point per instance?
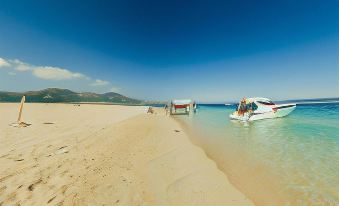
(257, 108)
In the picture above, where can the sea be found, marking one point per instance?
(292, 160)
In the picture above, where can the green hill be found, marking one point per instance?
(55, 95)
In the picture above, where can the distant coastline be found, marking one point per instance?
(57, 95)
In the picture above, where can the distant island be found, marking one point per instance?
(56, 95)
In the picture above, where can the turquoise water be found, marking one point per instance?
(294, 160)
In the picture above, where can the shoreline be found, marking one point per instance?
(267, 195)
(99, 154)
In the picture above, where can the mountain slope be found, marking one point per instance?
(54, 95)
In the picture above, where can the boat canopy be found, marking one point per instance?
(178, 106)
(255, 99)
(181, 101)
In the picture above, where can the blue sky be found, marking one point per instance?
(211, 51)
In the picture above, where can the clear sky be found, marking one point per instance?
(212, 51)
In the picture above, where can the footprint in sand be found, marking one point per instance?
(50, 200)
(32, 186)
(11, 196)
(2, 189)
(62, 150)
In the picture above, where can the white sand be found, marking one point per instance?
(104, 155)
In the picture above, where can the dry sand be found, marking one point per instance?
(104, 155)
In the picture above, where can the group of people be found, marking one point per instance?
(244, 106)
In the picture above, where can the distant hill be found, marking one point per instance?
(55, 95)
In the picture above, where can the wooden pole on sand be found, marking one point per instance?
(20, 108)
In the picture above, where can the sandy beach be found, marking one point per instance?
(104, 155)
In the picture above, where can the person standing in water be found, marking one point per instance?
(166, 108)
(242, 107)
(194, 107)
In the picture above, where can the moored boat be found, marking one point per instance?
(180, 106)
(257, 108)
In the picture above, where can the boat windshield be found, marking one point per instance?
(266, 103)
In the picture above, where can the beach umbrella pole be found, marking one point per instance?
(21, 107)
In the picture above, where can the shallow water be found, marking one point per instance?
(294, 160)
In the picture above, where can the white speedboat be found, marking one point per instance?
(260, 108)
